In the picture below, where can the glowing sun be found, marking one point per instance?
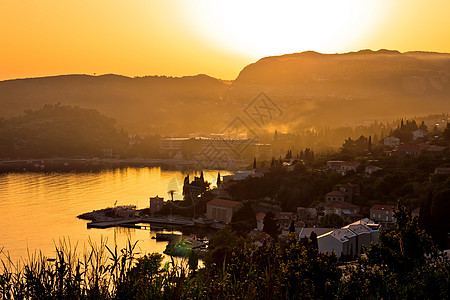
(262, 28)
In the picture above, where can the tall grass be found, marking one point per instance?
(96, 272)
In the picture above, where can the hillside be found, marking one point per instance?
(311, 89)
(332, 89)
(143, 104)
(56, 130)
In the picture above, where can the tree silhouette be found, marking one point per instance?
(171, 193)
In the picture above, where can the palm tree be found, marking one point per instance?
(171, 192)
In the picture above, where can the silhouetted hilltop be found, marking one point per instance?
(352, 87)
(311, 89)
(146, 104)
(57, 130)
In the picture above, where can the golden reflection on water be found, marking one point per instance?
(38, 209)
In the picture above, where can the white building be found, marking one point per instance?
(391, 141)
(241, 175)
(350, 239)
(371, 169)
(341, 241)
(342, 167)
(419, 133)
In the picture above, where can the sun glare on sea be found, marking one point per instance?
(261, 28)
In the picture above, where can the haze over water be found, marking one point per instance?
(38, 209)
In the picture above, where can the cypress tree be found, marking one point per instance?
(218, 179)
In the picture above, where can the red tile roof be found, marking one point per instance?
(260, 216)
(409, 148)
(223, 202)
(335, 193)
(382, 207)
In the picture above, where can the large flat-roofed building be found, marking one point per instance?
(222, 210)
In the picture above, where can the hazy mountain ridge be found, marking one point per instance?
(361, 86)
(152, 101)
(311, 89)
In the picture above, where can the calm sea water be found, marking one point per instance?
(37, 210)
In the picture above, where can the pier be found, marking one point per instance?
(131, 222)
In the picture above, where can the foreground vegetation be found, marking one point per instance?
(404, 264)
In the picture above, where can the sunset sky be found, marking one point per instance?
(218, 38)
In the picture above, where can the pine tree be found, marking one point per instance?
(254, 163)
(369, 144)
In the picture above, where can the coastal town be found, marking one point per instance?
(345, 219)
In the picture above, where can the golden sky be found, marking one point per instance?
(218, 38)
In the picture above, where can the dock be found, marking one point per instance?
(131, 222)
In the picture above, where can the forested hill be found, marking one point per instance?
(144, 104)
(59, 131)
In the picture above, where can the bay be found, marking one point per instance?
(38, 210)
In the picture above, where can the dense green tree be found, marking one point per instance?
(222, 246)
(57, 130)
(270, 225)
(403, 265)
(245, 214)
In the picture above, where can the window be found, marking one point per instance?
(224, 215)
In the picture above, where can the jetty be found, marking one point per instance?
(131, 222)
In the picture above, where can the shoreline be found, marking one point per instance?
(44, 165)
